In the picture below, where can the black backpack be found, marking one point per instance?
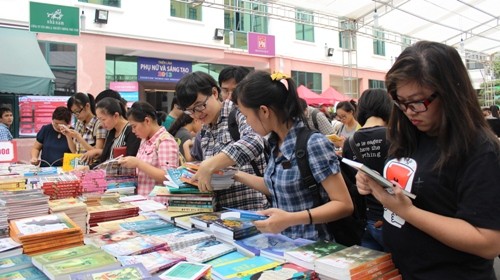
(349, 230)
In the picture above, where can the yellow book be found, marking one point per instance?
(71, 161)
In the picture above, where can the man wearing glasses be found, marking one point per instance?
(198, 95)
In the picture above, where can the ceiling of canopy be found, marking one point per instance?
(476, 22)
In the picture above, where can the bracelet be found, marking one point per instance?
(310, 216)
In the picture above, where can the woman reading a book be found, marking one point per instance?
(88, 133)
(158, 150)
(112, 114)
(442, 150)
(271, 105)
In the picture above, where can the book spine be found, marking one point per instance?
(373, 271)
(189, 209)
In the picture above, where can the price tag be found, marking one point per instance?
(8, 151)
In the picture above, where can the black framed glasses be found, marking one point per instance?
(416, 106)
(78, 112)
(198, 108)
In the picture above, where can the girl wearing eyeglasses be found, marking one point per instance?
(88, 133)
(442, 151)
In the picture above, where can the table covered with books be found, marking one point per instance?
(48, 232)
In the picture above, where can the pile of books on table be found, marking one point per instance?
(61, 186)
(103, 213)
(45, 233)
(73, 208)
(24, 204)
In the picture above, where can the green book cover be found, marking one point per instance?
(186, 271)
(30, 273)
(12, 263)
(51, 257)
(82, 263)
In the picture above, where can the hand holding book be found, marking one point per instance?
(386, 184)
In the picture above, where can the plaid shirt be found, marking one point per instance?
(284, 183)
(217, 139)
(5, 134)
(90, 132)
(324, 125)
(161, 151)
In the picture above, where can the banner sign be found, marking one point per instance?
(261, 44)
(128, 91)
(161, 70)
(8, 151)
(48, 18)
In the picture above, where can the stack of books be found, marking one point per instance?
(46, 233)
(103, 213)
(354, 262)
(306, 255)
(96, 199)
(181, 239)
(61, 186)
(92, 181)
(73, 208)
(148, 205)
(236, 266)
(19, 267)
(221, 179)
(62, 263)
(231, 229)
(204, 220)
(12, 182)
(121, 184)
(24, 204)
(4, 224)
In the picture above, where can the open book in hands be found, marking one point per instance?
(388, 186)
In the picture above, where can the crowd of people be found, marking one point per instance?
(426, 134)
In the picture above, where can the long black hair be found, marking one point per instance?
(140, 110)
(181, 121)
(81, 99)
(111, 106)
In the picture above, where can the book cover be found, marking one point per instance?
(350, 261)
(36, 227)
(244, 267)
(14, 263)
(169, 216)
(154, 261)
(306, 255)
(59, 255)
(88, 263)
(284, 271)
(204, 220)
(269, 245)
(71, 161)
(134, 246)
(230, 258)
(101, 239)
(128, 272)
(235, 228)
(381, 180)
(183, 222)
(242, 214)
(186, 271)
(185, 238)
(29, 273)
(205, 250)
(145, 225)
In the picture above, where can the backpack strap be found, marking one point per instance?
(355, 149)
(302, 156)
(314, 117)
(235, 135)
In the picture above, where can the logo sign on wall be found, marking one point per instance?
(8, 151)
(161, 70)
(128, 91)
(57, 19)
(261, 44)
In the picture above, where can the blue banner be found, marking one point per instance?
(161, 70)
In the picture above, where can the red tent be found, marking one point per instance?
(311, 97)
(333, 95)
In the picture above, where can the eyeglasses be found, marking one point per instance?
(198, 108)
(77, 113)
(416, 106)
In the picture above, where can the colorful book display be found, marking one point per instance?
(205, 250)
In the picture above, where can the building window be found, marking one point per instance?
(242, 17)
(61, 59)
(347, 37)
(185, 10)
(378, 42)
(304, 28)
(405, 42)
(310, 80)
(376, 84)
(120, 68)
(111, 3)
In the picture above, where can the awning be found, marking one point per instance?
(23, 68)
